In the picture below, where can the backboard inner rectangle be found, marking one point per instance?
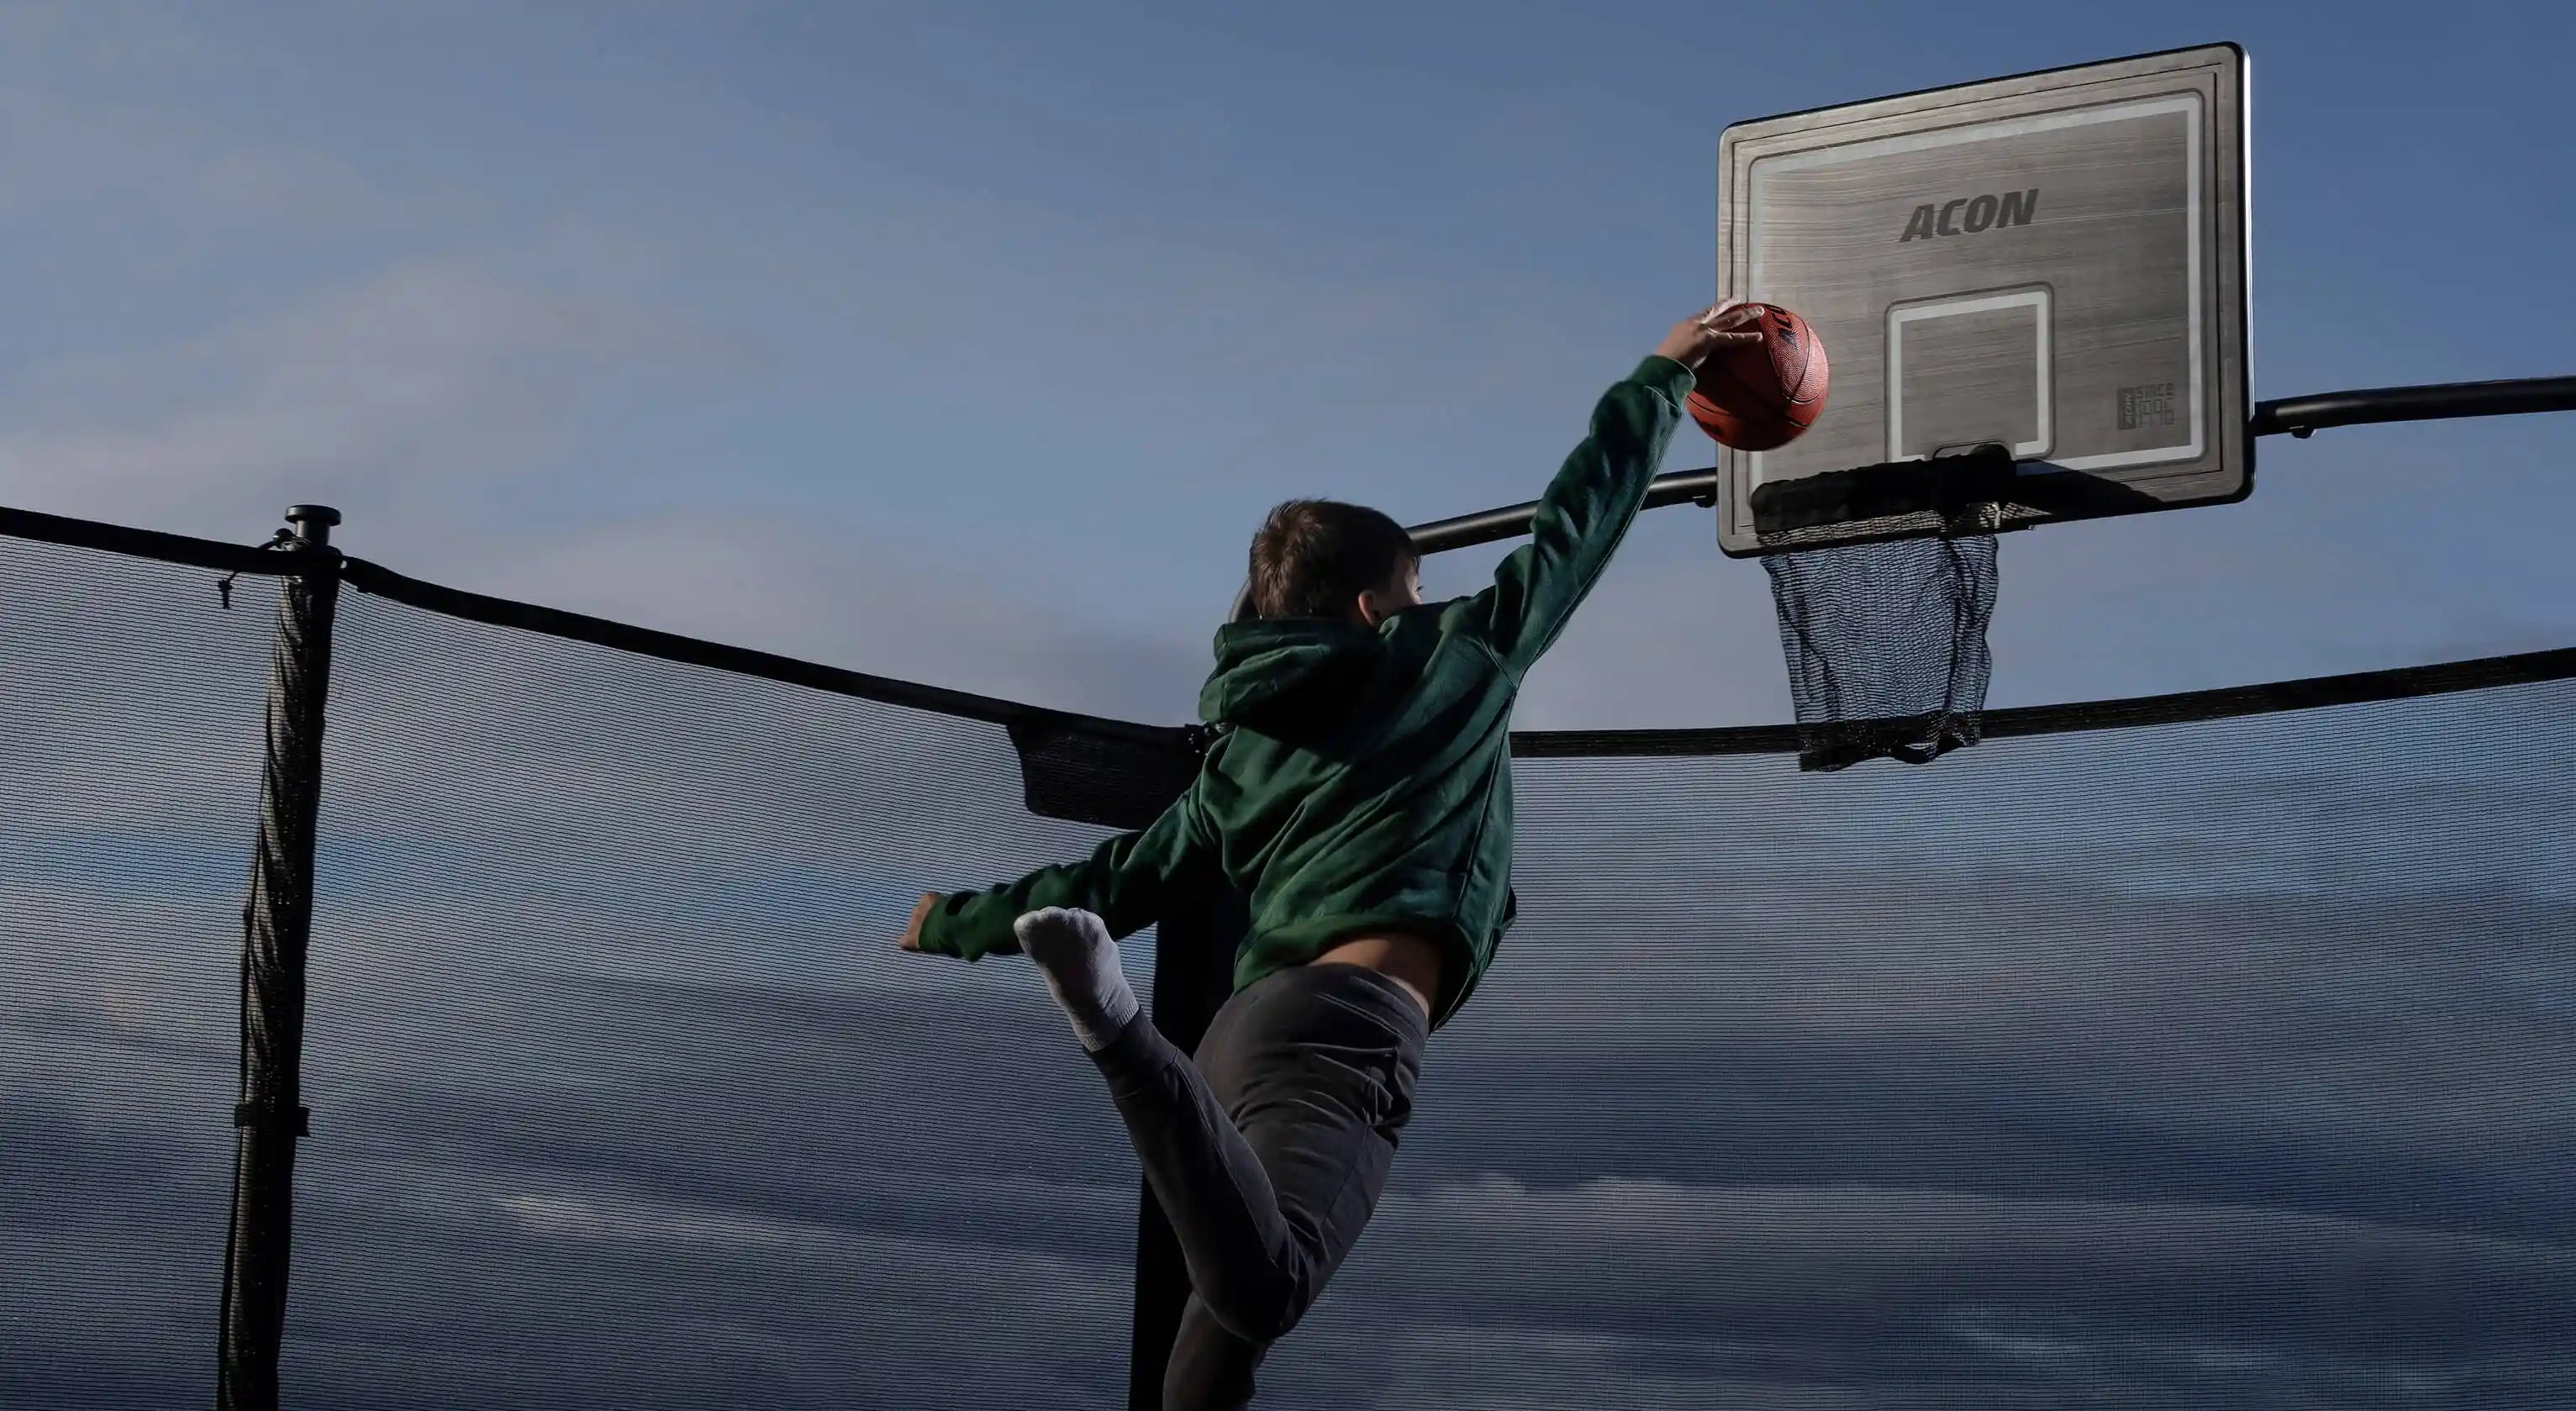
(1978, 372)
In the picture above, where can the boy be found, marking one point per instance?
(1360, 795)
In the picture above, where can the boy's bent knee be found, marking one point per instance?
(1262, 1314)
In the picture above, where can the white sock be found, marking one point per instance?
(1073, 950)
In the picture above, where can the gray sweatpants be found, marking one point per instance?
(1267, 1155)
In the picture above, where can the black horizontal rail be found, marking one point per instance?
(742, 661)
(1697, 487)
(2128, 713)
(2298, 416)
(153, 544)
(384, 582)
(2294, 416)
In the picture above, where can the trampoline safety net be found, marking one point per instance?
(129, 789)
(2215, 1064)
(634, 1101)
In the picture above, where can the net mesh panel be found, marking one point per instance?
(2221, 1065)
(1886, 646)
(622, 1096)
(130, 719)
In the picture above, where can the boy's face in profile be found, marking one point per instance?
(1403, 589)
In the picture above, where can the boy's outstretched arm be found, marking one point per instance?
(1588, 506)
(1123, 882)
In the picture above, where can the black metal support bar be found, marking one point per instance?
(276, 925)
(2295, 416)
(1697, 487)
(2299, 416)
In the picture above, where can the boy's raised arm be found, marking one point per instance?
(1123, 882)
(1587, 508)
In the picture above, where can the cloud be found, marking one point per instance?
(554, 1134)
(528, 1287)
(410, 383)
(885, 607)
(133, 704)
(523, 1175)
(91, 159)
(1659, 1294)
(1674, 635)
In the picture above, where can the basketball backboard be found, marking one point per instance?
(2056, 263)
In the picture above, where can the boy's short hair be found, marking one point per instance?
(1313, 558)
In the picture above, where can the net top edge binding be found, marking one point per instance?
(2308, 693)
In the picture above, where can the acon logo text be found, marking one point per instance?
(1971, 215)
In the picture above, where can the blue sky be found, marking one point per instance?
(969, 342)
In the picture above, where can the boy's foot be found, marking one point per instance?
(1073, 950)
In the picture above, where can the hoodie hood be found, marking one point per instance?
(1287, 678)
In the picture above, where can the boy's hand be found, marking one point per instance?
(920, 913)
(1696, 339)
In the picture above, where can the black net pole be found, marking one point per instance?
(276, 924)
(1193, 974)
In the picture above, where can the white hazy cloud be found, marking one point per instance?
(875, 604)
(423, 380)
(1665, 1294)
(72, 159)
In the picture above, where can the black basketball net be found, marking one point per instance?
(1886, 646)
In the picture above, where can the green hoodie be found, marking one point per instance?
(1361, 778)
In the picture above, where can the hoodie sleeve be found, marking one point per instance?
(1581, 518)
(1124, 882)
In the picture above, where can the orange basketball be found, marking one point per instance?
(1761, 396)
